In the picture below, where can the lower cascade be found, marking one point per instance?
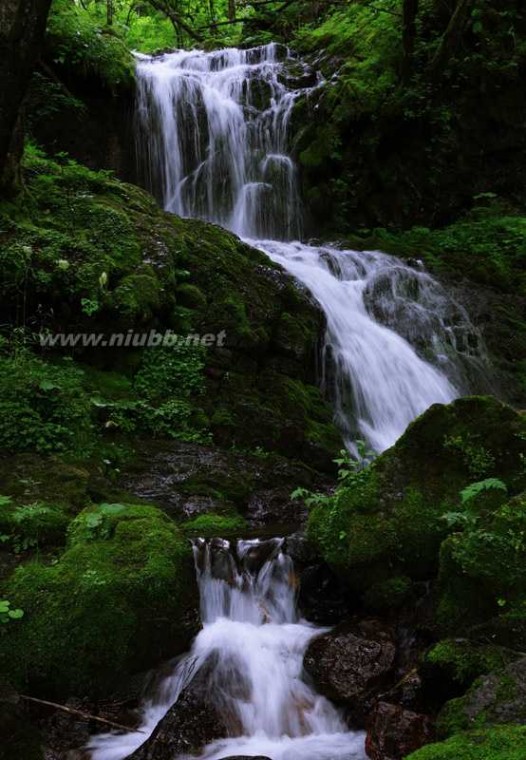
(213, 141)
(251, 651)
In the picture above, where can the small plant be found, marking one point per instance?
(7, 614)
(473, 490)
(349, 467)
(470, 518)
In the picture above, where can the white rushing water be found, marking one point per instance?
(250, 620)
(213, 140)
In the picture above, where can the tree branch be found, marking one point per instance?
(80, 713)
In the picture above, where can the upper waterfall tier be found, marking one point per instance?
(213, 136)
(213, 131)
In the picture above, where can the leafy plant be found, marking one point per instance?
(473, 490)
(7, 614)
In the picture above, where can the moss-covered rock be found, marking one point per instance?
(499, 743)
(93, 252)
(390, 520)
(496, 698)
(210, 525)
(453, 664)
(33, 525)
(121, 598)
(29, 478)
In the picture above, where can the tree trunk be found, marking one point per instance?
(231, 10)
(22, 27)
(409, 12)
(451, 37)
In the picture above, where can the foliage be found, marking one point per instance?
(26, 526)
(43, 406)
(486, 244)
(7, 614)
(77, 41)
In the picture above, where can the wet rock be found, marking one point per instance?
(188, 480)
(322, 597)
(393, 732)
(274, 506)
(20, 738)
(352, 664)
(189, 725)
(301, 550)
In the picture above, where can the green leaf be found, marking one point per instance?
(474, 489)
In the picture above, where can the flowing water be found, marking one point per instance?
(253, 634)
(213, 138)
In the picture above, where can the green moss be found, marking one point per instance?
(191, 296)
(391, 521)
(460, 661)
(29, 478)
(209, 526)
(116, 602)
(138, 296)
(482, 569)
(390, 594)
(32, 525)
(89, 251)
(498, 743)
(43, 407)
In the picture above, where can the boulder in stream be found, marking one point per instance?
(394, 732)
(352, 664)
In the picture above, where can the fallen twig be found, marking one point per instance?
(80, 713)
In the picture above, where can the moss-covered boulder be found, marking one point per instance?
(98, 257)
(389, 521)
(450, 666)
(496, 698)
(120, 599)
(498, 743)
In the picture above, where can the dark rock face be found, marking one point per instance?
(393, 733)
(188, 480)
(351, 664)
(191, 723)
(322, 598)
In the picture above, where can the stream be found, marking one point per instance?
(213, 137)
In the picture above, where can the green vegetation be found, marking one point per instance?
(458, 662)
(215, 525)
(118, 595)
(392, 518)
(499, 743)
(76, 40)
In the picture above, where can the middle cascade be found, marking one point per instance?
(256, 641)
(213, 140)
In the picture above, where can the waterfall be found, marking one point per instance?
(213, 142)
(250, 619)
